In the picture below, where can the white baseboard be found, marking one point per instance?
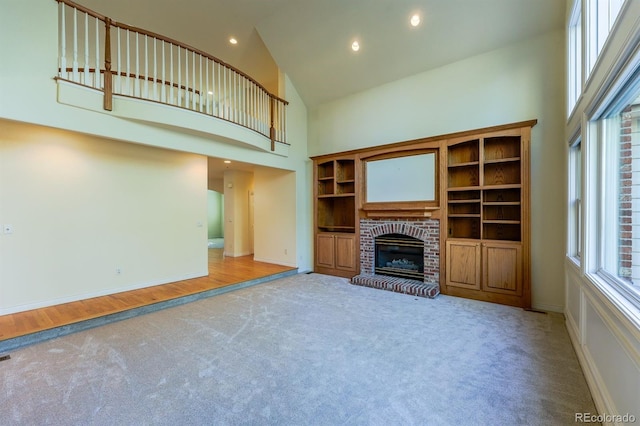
(275, 262)
(596, 386)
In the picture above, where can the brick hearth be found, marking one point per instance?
(427, 230)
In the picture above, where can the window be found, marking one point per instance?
(574, 50)
(618, 139)
(601, 15)
(575, 201)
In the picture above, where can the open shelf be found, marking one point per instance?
(463, 227)
(336, 212)
(501, 148)
(325, 170)
(501, 173)
(501, 231)
(464, 153)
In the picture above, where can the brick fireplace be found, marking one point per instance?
(425, 230)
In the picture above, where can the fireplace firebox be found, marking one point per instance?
(399, 255)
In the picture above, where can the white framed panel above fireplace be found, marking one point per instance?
(406, 178)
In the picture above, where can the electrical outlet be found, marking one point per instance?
(7, 228)
(118, 271)
(285, 251)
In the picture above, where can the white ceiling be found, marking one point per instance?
(310, 39)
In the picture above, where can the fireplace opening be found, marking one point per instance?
(399, 255)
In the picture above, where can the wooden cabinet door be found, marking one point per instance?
(463, 264)
(325, 250)
(502, 268)
(345, 252)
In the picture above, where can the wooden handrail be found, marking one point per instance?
(83, 9)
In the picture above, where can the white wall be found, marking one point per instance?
(82, 207)
(521, 82)
(275, 217)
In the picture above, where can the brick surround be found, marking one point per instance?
(426, 230)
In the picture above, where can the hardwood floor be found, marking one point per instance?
(223, 272)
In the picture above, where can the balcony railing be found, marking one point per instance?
(119, 59)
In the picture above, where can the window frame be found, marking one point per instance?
(575, 75)
(602, 231)
(597, 29)
(575, 219)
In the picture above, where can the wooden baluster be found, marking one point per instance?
(224, 95)
(284, 122)
(272, 130)
(119, 67)
(179, 77)
(200, 97)
(252, 91)
(154, 84)
(86, 49)
(186, 72)
(193, 80)
(146, 67)
(235, 97)
(244, 101)
(219, 92)
(206, 79)
(74, 65)
(63, 41)
(96, 76)
(171, 75)
(136, 82)
(259, 111)
(241, 100)
(256, 117)
(108, 79)
(164, 76)
(265, 113)
(128, 71)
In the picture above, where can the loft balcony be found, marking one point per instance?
(135, 74)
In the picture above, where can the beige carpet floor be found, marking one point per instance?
(304, 350)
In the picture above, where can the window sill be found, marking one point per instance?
(619, 303)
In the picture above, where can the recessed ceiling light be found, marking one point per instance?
(233, 40)
(355, 46)
(415, 20)
(227, 161)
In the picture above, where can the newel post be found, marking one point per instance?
(108, 77)
(272, 130)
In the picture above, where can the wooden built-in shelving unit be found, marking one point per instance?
(487, 226)
(482, 184)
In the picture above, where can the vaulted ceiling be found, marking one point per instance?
(310, 40)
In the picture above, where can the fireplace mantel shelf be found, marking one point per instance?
(400, 210)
